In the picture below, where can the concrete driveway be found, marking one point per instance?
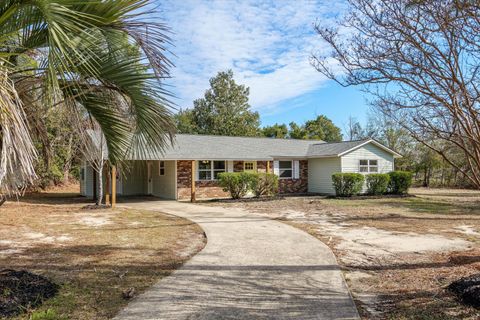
(251, 268)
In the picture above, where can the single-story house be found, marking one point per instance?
(193, 162)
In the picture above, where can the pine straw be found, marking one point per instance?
(21, 290)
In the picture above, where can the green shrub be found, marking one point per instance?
(400, 182)
(377, 183)
(236, 183)
(264, 184)
(347, 184)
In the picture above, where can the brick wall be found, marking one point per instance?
(262, 166)
(296, 185)
(237, 166)
(210, 189)
(203, 189)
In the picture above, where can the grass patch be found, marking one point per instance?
(93, 255)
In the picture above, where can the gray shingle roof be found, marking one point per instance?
(191, 147)
(198, 147)
(332, 149)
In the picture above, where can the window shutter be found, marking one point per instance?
(276, 168)
(229, 166)
(296, 169)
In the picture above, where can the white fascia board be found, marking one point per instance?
(378, 144)
(289, 158)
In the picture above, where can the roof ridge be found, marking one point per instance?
(338, 142)
(248, 137)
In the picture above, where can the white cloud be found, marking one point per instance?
(267, 45)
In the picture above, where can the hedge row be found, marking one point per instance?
(400, 182)
(349, 184)
(377, 183)
(238, 184)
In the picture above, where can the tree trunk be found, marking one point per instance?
(2, 199)
(100, 186)
(425, 182)
(66, 175)
(429, 175)
(68, 163)
(66, 171)
(95, 186)
(442, 177)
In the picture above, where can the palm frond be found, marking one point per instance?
(101, 56)
(18, 153)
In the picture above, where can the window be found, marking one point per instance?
(367, 166)
(82, 174)
(161, 168)
(285, 169)
(205, 170)
(249, 166)
(209, 170)
(218, 167)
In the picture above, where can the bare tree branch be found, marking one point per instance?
(421, 61)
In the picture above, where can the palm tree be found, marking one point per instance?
(103, 60)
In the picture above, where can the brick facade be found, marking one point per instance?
(237, 166)
(203, 189)
(296, 185)
(262, 166)
(210, 189)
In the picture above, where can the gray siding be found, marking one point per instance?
(350, 161)
(320, 174)
(83, 186)
(164, 186)
(134, 178)
(86, 186)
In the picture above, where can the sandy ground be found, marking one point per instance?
(94, 255)
(397, 253)
(361, 244)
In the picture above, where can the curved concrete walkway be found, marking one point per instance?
(251, 268)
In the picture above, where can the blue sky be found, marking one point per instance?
(267, 44)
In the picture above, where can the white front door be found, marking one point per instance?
(149, 177)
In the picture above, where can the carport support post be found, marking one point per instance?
(192, 191)
(268, 166)
(114, 186)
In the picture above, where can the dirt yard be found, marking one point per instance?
(96, 256)
(398, 254)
